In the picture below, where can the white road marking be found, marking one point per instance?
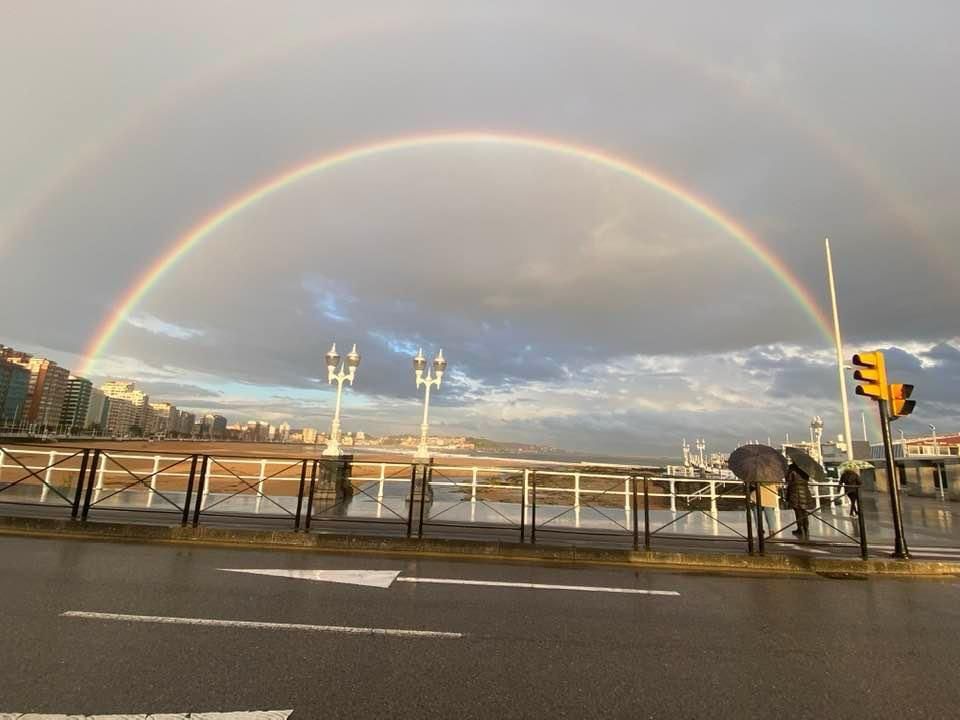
(385, 578)
(943, 550)
(256, 625)
(255, 715)
(538, 586)
(369, 578)
(805, 548)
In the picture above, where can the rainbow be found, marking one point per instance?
(182, 246)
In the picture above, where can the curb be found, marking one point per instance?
(477, 549)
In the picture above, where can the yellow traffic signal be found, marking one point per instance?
(900, 404)
(872, 375)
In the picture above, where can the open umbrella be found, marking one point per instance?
(807, 464)
(757, 463)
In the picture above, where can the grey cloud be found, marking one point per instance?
(773, 113)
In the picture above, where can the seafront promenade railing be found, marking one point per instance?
(519, 502)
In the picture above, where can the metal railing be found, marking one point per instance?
(523, 504)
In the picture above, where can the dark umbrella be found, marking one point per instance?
(807, 464)
(757, 463)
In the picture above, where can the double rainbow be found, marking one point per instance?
(195, 235)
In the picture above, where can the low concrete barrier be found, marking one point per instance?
(475, 549)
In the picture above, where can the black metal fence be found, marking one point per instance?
(535, 504)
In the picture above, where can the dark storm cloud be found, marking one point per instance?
(526, 269)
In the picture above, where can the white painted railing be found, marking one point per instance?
(470, 479)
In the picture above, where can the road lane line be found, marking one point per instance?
(256, 625)
(537, 586)
(253, 715)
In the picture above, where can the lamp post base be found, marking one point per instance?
(332, 450)
(418, 489)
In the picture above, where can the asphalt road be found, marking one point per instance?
(726, 646)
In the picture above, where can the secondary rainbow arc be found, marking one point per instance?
(182, 245)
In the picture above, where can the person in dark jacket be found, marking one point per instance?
(850, 482)
(800, 499)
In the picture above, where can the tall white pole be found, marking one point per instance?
(423, 451)
(333, 447)
(848, 439)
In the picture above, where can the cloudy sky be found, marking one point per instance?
(577, 305)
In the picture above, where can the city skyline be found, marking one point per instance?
(642, 262)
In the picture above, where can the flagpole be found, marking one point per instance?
(848, 438)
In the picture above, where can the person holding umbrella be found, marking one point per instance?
(802, 470)
(800, 499)
(850, 483)
(760, 466)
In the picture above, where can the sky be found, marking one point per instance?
(578, 306)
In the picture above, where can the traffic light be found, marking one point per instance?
(900, 404)
(872, 376)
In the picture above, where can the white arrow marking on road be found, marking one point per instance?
(385, 578)
(211, 622)
(370, 578)
(256, 715)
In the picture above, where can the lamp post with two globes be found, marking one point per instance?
(425, 378)
(347, 372)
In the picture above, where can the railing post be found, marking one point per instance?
(383, 477)
(523, 506)
(303, 482)
(79, 491)
(45, 488)
(89, 492)
(473, 486)
(153, 480)
(412, 495)
(759, 510)
(636, 517)
(533, 507)
(188, 495)
(576, 490)
(646, 513)
(864, 550)
(313, 489)
(427, 477)
(201, 490)
(673, 495)
(206, 485)
(713, 496)
(3, 457)
(746, 498)
(263, 474)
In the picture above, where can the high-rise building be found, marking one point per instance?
(76, 404)
(283, 432)
(14, 386)
(187, 420)
(126, 390)
(309, 436)
(122, 416)
(212, 427)
(47, 388)
(97, 410)
(165, 419)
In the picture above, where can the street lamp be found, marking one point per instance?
(425, 379)
(347, 371)
(933, 430)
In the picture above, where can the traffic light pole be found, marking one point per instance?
(900, 549)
